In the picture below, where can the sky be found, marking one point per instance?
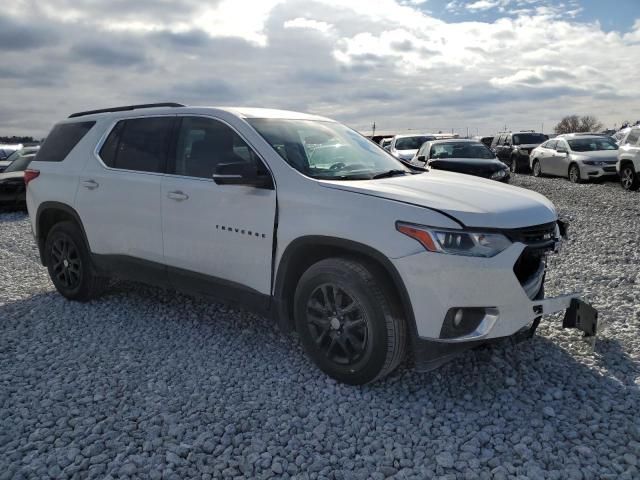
(407, 65)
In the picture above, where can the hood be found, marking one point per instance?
(11, 175)
(473, 201)
(611, 155)
(471, 166)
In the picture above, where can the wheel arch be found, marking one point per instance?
(50, 213)
(303, 252)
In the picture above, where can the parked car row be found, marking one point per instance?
(12, 187)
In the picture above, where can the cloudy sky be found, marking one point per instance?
(406, 64)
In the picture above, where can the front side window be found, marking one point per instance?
(592, 144)
(61, 140)
(335, 153)
(551, 144)
(529, 138)
(633, 137)
(561, 145)
(139, 144)
(203, 144)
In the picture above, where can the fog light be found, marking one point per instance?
(468, 321)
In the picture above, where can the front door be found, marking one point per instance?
(215, 235)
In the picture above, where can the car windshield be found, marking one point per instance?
(412, 143)
(13, 156)
(592, 144)
(20, 163)
(461, 150)
(529, 138)
(326, 150)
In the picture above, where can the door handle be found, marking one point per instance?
(177, 195)
(90, 184)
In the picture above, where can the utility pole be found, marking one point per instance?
(373, 134)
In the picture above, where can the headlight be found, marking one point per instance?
(499, 174)
(456, 242)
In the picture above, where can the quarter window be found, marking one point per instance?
(139, 144)
(552, 144)
(204, 143)
(61, 140)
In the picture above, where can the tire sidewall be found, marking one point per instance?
(372, 363)
(536, 168)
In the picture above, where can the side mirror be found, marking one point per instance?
(562, 150)
(422, 158)
(241, 174)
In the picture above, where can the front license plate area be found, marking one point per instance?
(582, 316)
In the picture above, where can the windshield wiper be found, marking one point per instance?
(389, 173)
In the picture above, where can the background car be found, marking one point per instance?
(404, 147)
(628, 165)
(15, 154)
(12, 187)
(386, 143)
(577, 157)
(513, 148)
(6, 150)
(461, 156)
(486, 140)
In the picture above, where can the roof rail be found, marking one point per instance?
(125, 108)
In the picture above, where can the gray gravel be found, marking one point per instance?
(149, 383)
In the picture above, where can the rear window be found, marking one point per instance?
(139, 144)
(61, 140)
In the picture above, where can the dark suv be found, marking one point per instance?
(513, 148)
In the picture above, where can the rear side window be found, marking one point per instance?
(61, 140)
(139, 144)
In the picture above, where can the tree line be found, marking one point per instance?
(14, 139)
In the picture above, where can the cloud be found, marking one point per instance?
(519, 62)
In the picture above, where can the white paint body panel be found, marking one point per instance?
(131, 214)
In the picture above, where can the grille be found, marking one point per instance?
(530, 266)
(609, 169)
(536, 237)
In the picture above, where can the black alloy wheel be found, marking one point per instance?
(65, 262)
(338, 324)
(628, 178)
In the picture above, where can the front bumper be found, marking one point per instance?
(597, 171)
(507, 287)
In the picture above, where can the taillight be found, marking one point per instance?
(30, 175)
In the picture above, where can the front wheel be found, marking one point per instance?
(69, 264)
(537, 170)
(349, 321)
(514, 165)
(574, 174)
(628, 178)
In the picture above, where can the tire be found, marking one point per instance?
(514, 165)
(574, 173)
(537, 169)
(349, 322)
(69, 264)
(628, 178)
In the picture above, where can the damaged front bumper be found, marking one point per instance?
(430, 353)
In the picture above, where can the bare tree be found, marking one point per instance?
(574, 123)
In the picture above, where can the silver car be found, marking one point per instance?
(578, 157)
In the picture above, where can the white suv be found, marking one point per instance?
(299, 217)
(628, 165)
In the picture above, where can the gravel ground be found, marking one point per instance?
(149, 383)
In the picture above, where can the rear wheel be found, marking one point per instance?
(574, 173)
(628, 178)
(537, 170)
(69, 264)
(349, 321)
(514, 165)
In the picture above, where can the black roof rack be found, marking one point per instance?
(125, 108)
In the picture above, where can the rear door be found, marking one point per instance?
(216, 237)
(118, 197)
